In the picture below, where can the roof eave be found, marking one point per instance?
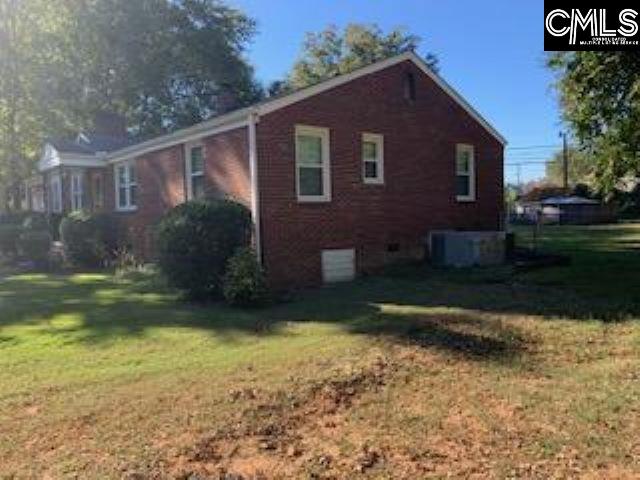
(240, 118)
(230, 121)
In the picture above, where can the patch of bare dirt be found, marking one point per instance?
(284, 434)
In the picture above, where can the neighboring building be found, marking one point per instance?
(341, 177)
(566, 210)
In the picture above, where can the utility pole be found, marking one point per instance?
(565, 162)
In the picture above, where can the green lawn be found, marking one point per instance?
(606, 260)
(481, 373)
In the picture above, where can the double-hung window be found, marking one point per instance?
(55, 194)
(372, 158)
(195, 171)
(313, 175)
(76, 191)
(465, 173)
(126, 186)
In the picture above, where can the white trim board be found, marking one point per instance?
(52, 158)
(195, 133)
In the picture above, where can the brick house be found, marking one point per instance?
(341, 177)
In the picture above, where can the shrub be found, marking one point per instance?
(36, 222)
(125, 261)
(244, 282)
(35, 245)
(88, 239)
(13, 218)
(9, 235)
(196, 240)
(55, 219)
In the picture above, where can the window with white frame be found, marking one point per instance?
(76, 191)
(126, 186)
(313, 175)
(465, 173)
(372, 158)
(55, 194)
(195, 171)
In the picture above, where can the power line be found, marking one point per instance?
(533, 162)
(531, 147)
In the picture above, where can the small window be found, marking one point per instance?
(76, 191)
(313, 177)
(195, 171)
(410, 86)
(98, 193)
(55, 194)
(465, 173)
(372, 158)
(126, 186)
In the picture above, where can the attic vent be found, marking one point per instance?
(409, 86)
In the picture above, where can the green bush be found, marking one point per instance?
(244, 282)
(196, 240)
(36, 222)
(35, 246)
(54, 220)
(13, 218)
(89, 240)
(9, 235)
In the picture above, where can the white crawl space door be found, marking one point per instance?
(338, 265)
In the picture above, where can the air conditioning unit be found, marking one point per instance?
(466, 249)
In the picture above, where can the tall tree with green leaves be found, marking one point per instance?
(333, 52)
(29, 53)
(581, 167)
(600, 99)
(164, 64)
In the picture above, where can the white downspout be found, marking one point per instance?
(255, 197)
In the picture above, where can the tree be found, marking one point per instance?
(164, 64)
(581, 167)
(600, 98)
(28, 55)
(333, 52)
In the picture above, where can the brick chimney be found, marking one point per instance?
(111, 124)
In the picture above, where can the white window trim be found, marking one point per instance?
(128, 207)
(463, 147)
(55, 197)
(379, 141)
(77, 199)
(188, 173)
(324, 135)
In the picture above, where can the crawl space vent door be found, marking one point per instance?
(338, 265)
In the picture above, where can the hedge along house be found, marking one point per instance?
(341, 177)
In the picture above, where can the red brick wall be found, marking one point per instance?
(227, 165)
(161, 183)
(418, 195)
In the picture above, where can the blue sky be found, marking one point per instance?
(490, 51)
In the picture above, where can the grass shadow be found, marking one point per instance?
(95, 308)
(464, 335)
